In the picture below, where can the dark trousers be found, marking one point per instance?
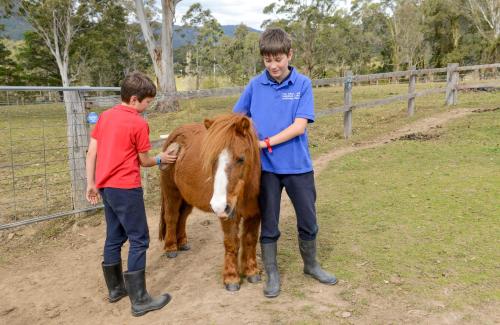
(302, 192)
(125, 219)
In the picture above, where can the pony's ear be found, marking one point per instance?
(208, 123)
(243, 125)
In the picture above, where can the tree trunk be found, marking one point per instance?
(148, 36)
(197, 86)
(167, 77)
(162, 56)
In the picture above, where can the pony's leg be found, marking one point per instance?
(172, 211)
(249, 242)
(231, 246)
(185, 211)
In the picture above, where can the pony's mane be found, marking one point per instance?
(222, 134)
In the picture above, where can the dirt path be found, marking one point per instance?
(60, 282)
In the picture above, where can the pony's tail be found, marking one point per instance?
(162, 229)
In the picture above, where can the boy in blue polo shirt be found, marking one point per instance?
(280, 103)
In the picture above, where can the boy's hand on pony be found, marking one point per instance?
(168, 157)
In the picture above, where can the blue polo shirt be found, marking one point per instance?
(273, 107)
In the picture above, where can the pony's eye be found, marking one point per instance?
(240, 160)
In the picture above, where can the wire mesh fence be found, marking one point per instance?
(42, 167)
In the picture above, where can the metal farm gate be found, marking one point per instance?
(43, 142)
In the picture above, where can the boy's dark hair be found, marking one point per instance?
(274, 41)
(137, 84)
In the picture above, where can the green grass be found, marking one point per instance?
(425, 211)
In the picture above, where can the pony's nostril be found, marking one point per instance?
(227, 210)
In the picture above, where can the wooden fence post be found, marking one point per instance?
(455, 77)
(347, 104)
(475, 74)
(411, 91)
(78, 141)
(452, 77)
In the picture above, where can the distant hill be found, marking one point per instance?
(15, 27)
(189, 34)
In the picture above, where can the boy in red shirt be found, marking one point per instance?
(118, 145)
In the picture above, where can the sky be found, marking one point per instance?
(229, 12)
(234, 12)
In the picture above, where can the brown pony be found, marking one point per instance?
(217, 170)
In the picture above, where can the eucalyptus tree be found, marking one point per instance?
(239, 55)
(485, 14)
(448, 33)
(208, 32)
(39, 67)
(371, 19)
(57, 23)
(408, 35)
(310, 24)
(9, 69)
(109, 46)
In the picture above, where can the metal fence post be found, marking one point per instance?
(347, 104)
(411, 91)
(452, 77)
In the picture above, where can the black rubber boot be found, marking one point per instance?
(114, 281)
(272, 286)
(311, 266)
(141, 301)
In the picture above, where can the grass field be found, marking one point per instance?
(415, 222)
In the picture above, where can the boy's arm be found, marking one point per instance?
(165, 158)
(304, 115)
(91, 193)
(297, 128)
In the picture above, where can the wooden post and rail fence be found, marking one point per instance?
(451, 90)
(77, 111)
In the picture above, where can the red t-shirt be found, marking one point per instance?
(121, 134)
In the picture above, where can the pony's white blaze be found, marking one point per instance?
(218, 201)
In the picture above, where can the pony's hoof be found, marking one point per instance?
(254, 278)
(171, 254)
(232, 287)
(184, 247)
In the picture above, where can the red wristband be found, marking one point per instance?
(268, 144)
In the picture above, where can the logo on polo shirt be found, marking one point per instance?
(290, 95)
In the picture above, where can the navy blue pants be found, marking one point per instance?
(302, 192)
(125, 219)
